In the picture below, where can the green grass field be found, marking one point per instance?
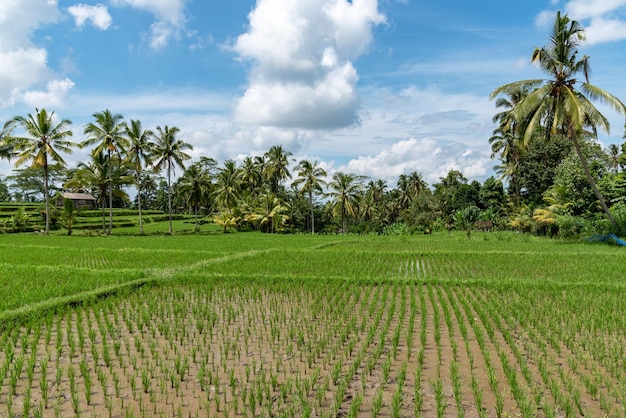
(297, 325)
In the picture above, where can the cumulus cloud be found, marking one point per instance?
(602, 30)
(169, 18)
(583, 9)
(98, 15)
(53, 96)
(24, 65)
(604, 20)
(433, 158)
(302, 52)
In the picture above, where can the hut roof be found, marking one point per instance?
(78, 196)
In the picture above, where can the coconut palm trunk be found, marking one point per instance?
(110, 175)
(311, 211)
(139, 207)
(590, 179)
(46, 192)
(169, 194)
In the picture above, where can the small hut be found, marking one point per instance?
(80, 200)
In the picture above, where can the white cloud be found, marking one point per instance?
(53, 96)
(602, 30)
(169, 18)
(330, 102)
(19, 18)
(25, 66)
(604, 20)
(544, 19)
(98, 15)
(303, 76)
(583, 9)
(161, 32)
(20, 69)
(434, 159)
(171, 11)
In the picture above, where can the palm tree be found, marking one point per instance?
(505, 139)
(228, 187)
(277, 168)
(94, 175)
(226, 219)
(6, 150)
(614, 153)
(409, 186)
(404, 193)
(108, 134)
(195, 185)
(269, 213)
(556, 103)
(44, 139)
(344, 191)
(373, 203)
(416, 183)
(138, 155)
(169, 152)
(310, 181)
(250, 175)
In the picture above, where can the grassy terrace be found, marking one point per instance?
(258, 325)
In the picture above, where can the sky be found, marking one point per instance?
(372, 87)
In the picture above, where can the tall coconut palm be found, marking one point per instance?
(42, 143)
(505, 139)
(373, 204)
(92, 175)
(409, 186)
(276, 169)
(6, 149)
(251, 176)
(404, 197)
(97, 176)
(310, 179)
(107, 134)
(344, 191)
(561, 103)
(138, 155)
(169, 152)
(613, 153)
(227, 189)
(195, 185)
(416, 183)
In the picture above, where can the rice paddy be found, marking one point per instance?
(322, 326)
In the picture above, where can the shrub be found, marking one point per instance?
(397, 229)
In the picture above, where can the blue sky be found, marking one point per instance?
(374, 87)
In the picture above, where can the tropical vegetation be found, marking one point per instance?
(554, 178)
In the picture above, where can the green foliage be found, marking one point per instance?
(571, 226)
(491, 195)
(538, 165)
(5, 195)
(20, 222)
(465, 218)
(397, 229)
(69, 215)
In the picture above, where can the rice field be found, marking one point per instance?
(324, 326)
